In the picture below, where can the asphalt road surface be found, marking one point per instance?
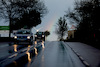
(42, 54)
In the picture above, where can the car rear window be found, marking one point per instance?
(39, 33)
(23, 32)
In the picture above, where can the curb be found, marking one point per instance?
(80, 57)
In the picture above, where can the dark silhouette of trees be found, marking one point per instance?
(20, 12)
(86, 14)
(61, 28)
(47, 33)
(28, 20)
(7, 11)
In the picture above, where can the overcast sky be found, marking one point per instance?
(56, 10)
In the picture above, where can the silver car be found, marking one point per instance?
(23, 36)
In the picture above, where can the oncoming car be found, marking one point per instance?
(23, 36)
(39, 36)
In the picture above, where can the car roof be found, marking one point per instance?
(24, 29)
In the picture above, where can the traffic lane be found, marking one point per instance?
(3, 44)
(8, 49)
(19, 59)
(56, 55)
(4, 49)
(22, 58)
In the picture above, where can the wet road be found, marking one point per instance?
(44, 54)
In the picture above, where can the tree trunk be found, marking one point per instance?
(9, 27)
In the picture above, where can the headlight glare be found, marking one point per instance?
(28, 37)
(15, 37)
(35, 35)
(42, 35)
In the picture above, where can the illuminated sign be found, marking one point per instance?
(4, 27)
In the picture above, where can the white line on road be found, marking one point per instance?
(78, 54)
(81, 58)
(13, 55)
(86, 63)
(24, 50)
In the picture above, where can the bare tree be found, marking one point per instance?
(13, 10)
(7, 11)
(61, 28)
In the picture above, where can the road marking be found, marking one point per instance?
(86, 63)
(13, 55)
(78, 54)
(24, 50)
(81, 58)
(75, 51)
(2, 46)
(31, 47)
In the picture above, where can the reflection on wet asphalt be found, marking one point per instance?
(20, 55)
(24, 60)
(55, 55)
(44, 54)
(10, 48)
(51, 56)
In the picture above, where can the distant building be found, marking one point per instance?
(71, 34)
(4, 31)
